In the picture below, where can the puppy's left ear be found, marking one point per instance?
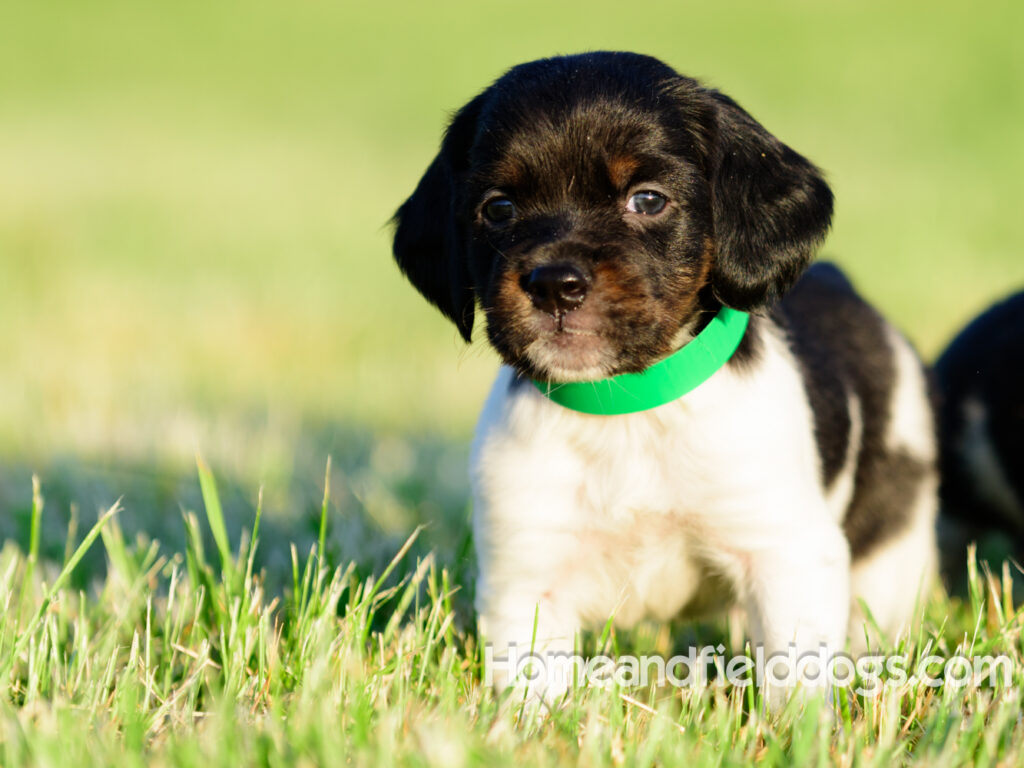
(429, 243)
(771, 208)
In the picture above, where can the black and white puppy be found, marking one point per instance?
(980, 379)
(601, 209)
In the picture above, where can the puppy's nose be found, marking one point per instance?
(556, 289)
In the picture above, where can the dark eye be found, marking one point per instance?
(647, 202)
(499, 209)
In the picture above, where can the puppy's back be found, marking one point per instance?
(867, 389)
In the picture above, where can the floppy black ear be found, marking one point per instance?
(771, 208)
(429, 244)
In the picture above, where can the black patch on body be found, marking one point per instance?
(985, 363)
(843, 350)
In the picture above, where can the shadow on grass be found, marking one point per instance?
(382, 487)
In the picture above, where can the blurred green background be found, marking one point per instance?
(194, 196)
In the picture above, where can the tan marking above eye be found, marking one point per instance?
(621, 169)
(511, 172)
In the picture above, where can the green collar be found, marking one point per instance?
(663, 382)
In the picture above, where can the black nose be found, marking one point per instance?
(556, 289)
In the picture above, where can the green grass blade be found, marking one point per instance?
(33, 539)
(215, 518)
(76, 557)
(322, 539)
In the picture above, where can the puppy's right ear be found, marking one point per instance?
(429, 243)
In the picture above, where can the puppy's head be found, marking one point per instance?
(596, 206)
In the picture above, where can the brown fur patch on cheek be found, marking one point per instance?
(624, 293)
(509, 297)
(510, 311)
(703, 270)
(684, 296)
(707, 258)
(643, 311)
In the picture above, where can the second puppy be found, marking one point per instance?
(980, 379)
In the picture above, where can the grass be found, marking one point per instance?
(186, 659)
(194, 258)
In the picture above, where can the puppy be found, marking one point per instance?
(980, 378)
(609, 215)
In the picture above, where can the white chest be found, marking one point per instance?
(629, 515)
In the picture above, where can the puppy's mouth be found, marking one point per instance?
(566, 346)
(565, 342)
(565, 323)
(560, 323)
(566, 356)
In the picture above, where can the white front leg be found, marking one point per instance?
(798, 604)
(530, 641)
(526, 527)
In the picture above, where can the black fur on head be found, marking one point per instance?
(598, 206)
